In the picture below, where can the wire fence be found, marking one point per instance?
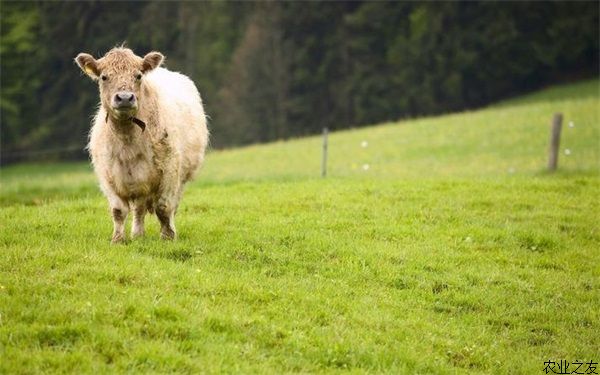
(75, 152)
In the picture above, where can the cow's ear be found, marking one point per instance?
(89, 65)
(151, 61)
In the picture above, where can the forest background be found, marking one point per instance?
(275, 70)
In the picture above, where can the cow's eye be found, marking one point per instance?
(103, 77)
(138, 76)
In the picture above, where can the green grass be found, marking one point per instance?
(454, 252)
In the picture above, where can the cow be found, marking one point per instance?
(148, 137)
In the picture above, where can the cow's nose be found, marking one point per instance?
(124, 99)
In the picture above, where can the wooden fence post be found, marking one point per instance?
(554, 141)
(324, 159)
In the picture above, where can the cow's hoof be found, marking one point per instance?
(117, 239)
(168, 235)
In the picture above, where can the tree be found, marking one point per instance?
(255, 94)
(19, 50)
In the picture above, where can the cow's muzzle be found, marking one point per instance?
(124, 101)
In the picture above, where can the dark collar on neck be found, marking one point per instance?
(139, 123)
(135, 120)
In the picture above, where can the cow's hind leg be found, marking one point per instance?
(166, 216)
(168, 200)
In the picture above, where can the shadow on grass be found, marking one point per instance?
(180, 251)
(39, 196)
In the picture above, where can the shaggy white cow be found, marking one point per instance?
(148, 137)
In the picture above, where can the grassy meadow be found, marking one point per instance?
(435, 245)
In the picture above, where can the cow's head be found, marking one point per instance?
(119, 75)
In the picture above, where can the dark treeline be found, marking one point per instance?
(273, 70)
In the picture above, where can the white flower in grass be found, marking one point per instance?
(571, 124)
(365, 167)
(364, 144)
(567, 151)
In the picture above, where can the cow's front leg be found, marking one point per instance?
(119, 211)
(139, 213)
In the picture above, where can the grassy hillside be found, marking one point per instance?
(487, 143)
(453, 252)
